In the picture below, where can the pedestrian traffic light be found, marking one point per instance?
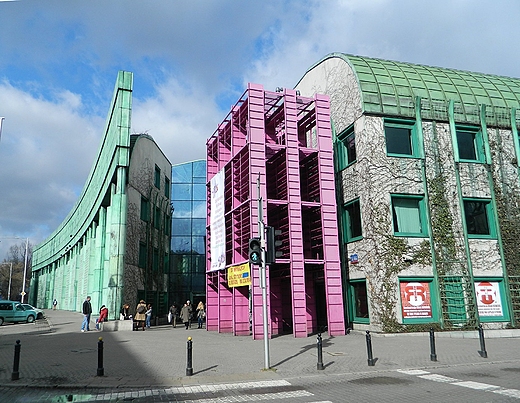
(273, 245)
(255, 251)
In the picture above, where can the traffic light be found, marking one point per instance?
(273, 245)
(255, 251)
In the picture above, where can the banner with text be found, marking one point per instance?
(489, 302)
(217, 225)
(238, 276)
(415, 300)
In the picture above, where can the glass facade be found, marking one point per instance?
(188, 241)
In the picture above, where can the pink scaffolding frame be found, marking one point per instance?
(285, 140)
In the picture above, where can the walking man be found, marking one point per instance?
(54, 304)
(87, 311)
(173, 313)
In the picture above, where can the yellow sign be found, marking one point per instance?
(238, 276)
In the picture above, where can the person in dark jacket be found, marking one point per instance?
(87, 311)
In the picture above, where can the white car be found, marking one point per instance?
(39, 312)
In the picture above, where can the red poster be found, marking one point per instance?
(415, 300)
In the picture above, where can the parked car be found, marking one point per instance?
(39, 312)
(13, 311)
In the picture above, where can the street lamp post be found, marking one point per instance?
(25, 268)
(10, 276)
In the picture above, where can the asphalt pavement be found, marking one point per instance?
(152, 365)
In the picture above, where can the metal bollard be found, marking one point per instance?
(371, 361)
(16, 364)
(319, 344)
(189, 365)
(433, 354)
(482, 351)
(100, 369)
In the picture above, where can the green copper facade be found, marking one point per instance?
(87, 254)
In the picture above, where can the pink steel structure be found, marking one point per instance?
(286, 141)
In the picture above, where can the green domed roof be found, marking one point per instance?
(390, 88)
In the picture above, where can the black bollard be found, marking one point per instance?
(319, 344)
(100, 369)
(16, 364)
(371, 361)
(189, 365)
(482, 351)
(433, 354)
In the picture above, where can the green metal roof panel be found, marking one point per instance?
(387, 86)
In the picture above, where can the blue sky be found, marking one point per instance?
(191, 61)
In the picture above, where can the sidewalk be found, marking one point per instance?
(55, 353)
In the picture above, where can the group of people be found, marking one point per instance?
(87, 312)
(186, 314)
(143, 315)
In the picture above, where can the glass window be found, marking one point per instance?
(182, 173)
(181, 244)
(470, 143)
(142, 255)
(181, 226)
(352, 222)
(478, 213)
(157, 218)
(198, 226)
(167, 187)
(359, 300)
(157, 177)
(408, 215)
(401, 138)
(200, 209)
(199, 191)
(181, 209)
(198, 244)
(346, 147)
(155, 264)
(145, 209)
(181, 191)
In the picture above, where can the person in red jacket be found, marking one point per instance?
(103, 317)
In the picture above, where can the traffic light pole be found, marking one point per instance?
(263, 277)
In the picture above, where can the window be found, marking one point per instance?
(143, 256)
(401, 138)
(346, 147)
(157, 218)
(477, 213)
(157, 177)
(352, 221)
(470, 143)
(359, 301)
(145, 209)
(408, 215)
(167, 187)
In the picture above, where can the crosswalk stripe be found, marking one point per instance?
(466, 384)
(255, 397)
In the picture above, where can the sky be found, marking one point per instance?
(191, 62)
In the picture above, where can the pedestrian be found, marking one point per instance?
(124, 313)
(173, 315)
(148, 315)
(185, 315)
(190, 309)
(140, 316)
(54, 304)
(201, 314)
(103, 317)
(87, 311)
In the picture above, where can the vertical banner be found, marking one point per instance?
(416, 300)
(217, 225)
(489, 302)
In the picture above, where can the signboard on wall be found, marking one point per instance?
(489, 301)
(240, 275)
(416, 300)
(217, 225)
